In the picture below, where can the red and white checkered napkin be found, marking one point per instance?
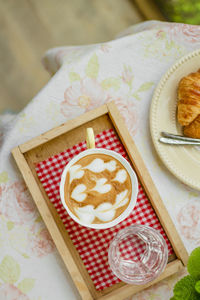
(92, 244)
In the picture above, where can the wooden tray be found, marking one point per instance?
(62, 138)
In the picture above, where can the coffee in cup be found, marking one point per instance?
(98, 187)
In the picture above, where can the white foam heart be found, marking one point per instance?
(101, 187)
(121, 199)
(86, 213)
(98, 165)
(121, 176)
(111, 165)
(75, 172)
(78, 193)
(105, 212)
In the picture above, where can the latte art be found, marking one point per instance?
(121, 176)
(101, 187)
(98, 165)
(78, 193)
(97, 189)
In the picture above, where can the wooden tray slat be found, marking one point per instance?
(148, 184)
(55, 228)
(128, 290)
(62, 138)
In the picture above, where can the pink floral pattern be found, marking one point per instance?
(154, 292)
(61, 53)
(187, 33)
(105, 48)
(189, 221)
(16, 203)
(129, 113)
(81, 97)
(40, 241)
(11, 292)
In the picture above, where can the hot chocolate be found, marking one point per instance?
(97, 188)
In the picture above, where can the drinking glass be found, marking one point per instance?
(138, 254)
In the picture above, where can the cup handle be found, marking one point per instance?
(90, 140)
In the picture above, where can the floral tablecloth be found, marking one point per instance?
(125, 70)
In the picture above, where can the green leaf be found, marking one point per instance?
(145, 86)
(10, 225)
(193, 194)
(73, 76)
(26, 285)
(25, 255)
(9, 270)
(92, 68)
(197, 286)
(111, 83)
(194, 263)
(136, 96)
(184, 289)
(3, 177)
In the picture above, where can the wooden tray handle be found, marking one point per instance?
(90, 140)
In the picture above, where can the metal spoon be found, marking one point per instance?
(179, 137)
(174, 139)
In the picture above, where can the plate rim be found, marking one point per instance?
(171, 167)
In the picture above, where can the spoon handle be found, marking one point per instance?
(179, 137)
(173, 141)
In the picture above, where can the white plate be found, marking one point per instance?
(182, 161)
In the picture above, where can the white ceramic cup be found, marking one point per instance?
(128, 168)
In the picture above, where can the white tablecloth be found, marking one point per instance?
(125, 70)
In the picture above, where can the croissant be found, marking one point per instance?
(189, 99)
(193, 129)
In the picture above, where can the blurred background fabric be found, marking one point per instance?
(29, 28)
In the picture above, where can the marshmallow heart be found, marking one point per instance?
(75, 172)
(77, 193)
(101, 187)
